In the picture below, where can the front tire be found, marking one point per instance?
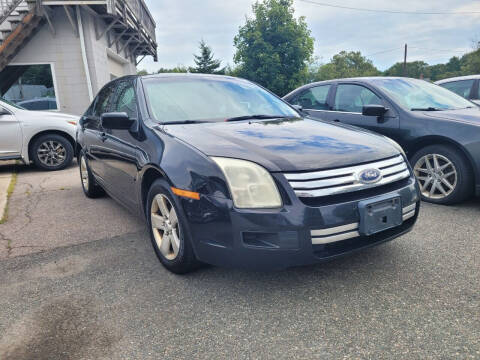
(443, 174)
(167, 226)
(52, 152)
(89, 185)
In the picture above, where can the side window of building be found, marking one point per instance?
(103, 101)
(352, 98)
(314, 98)
(461, 88)
(125, 99)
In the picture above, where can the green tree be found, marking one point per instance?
(178, 69)
(347, 64)
(142, 72)
(414, 69)
(273, 48)
(205, 63)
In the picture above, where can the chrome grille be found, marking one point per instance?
(343, 180)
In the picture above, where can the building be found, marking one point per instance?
(71, 47)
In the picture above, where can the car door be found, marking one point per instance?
(10, 135)
(120, 146)
(94, 134)
(314, 101)
(348, 100)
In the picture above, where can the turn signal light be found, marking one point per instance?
(185, 193)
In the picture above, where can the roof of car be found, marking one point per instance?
(360, 79)
(185, 75)
(467, 77)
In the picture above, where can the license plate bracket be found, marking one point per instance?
(379, 214)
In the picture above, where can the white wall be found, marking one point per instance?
(63, 51)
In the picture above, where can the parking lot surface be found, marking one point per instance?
(79, 280)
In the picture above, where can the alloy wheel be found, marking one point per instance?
(165, 227)
(436, 175)
(51, 153)
(84, 172)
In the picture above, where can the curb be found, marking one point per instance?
(7, 182)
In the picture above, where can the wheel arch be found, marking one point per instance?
(149, 175)
(441, 140)
(66, 135)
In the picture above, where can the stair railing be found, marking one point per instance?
(7, 7)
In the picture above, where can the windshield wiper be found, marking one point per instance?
(430, 108)
(182, 122)
(260, 116)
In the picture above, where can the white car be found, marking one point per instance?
(44, 138)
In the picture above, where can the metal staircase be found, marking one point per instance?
(18, 21)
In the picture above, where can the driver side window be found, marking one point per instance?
(314, 98)
(352, 98)
(125, 100)
(103, 101)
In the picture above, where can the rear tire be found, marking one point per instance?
(90, 187)
(52, 152)
(443, 173)
(167, 227)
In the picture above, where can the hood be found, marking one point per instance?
(50, 115)
(469, 116)
(286, 144)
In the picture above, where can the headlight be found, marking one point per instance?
(251, 185)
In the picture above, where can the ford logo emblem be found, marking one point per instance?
(369, 176)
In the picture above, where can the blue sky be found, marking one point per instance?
(432, 38)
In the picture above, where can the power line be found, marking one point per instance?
(392, 11)
(383, 51)
(440, 50)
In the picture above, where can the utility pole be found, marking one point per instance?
(405, 62)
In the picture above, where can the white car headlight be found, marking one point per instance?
(250, 184)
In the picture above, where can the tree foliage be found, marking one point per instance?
(205, 62)
(345, 65)
(273, 48)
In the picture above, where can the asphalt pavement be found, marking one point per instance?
(94, 289)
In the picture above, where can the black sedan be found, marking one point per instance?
(439, 130)
(229, 174)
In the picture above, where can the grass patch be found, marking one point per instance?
(10, 189)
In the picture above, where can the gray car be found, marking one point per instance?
(438, 129)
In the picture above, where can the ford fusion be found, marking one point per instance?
(226, 173)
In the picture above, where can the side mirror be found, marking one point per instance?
(299, 108)
(374, 110)
(117, 121)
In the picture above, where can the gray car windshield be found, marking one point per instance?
(413, 94)
(193, 99)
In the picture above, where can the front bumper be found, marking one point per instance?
(297, 234)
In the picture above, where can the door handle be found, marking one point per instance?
(336, 120)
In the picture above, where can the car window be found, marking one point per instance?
(53, 104)
(352, 98)
(103, 100)
(125, 100)
(461, 88)
(314, 98)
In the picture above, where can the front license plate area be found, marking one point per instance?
(379, 214)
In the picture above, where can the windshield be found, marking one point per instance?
(11, 103)
(210, 99)
(415, 94)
